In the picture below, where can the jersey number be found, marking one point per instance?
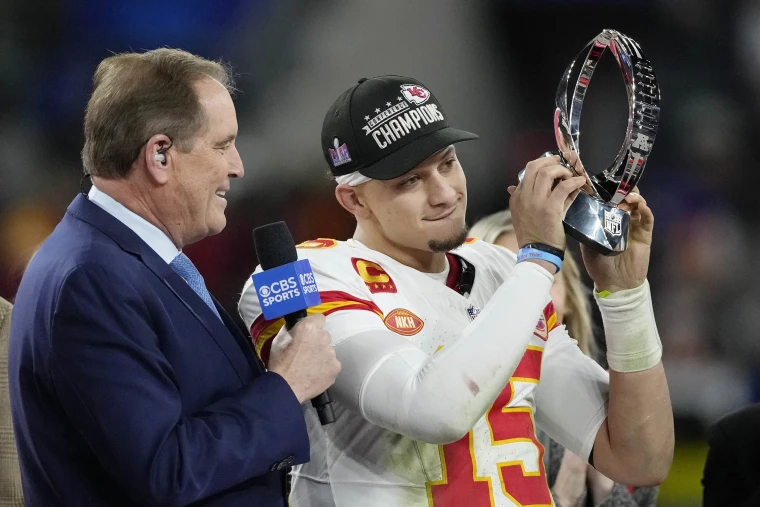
(466, 479)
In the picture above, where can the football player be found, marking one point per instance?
(450, 349)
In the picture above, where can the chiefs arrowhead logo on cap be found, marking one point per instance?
(415, 94)
(403, 322)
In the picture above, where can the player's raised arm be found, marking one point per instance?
(636, 443)
(439, 398)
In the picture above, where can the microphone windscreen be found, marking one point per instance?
(274, 245)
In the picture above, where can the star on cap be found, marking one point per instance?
(388, 104)
(377, 109)
(366, 117)
(399, 99)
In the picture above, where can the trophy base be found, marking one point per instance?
(598, 225)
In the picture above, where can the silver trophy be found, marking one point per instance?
(594, 218)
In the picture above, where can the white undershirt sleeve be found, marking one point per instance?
(572, 397)
(439, 398)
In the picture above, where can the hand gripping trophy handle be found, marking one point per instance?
(594, 218)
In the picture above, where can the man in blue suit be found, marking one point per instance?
(130, 385)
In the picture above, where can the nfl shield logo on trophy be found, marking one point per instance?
(612, 222)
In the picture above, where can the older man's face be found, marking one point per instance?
(203, 175)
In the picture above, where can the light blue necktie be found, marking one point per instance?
(184, 267)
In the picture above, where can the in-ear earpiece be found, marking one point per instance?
(160, 155)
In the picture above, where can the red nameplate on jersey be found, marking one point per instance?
(374, 276)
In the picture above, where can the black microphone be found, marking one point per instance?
(275, 248)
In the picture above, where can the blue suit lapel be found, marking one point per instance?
(225, 334)
(243, 340)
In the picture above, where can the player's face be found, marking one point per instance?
(425, 208)
(203, 175)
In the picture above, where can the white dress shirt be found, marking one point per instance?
(152, 235)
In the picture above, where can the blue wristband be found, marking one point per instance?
(534, 254)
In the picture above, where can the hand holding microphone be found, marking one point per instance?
(304, 358)
(301, 353)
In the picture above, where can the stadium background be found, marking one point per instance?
(494, 65)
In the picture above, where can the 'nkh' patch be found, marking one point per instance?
(403, 322)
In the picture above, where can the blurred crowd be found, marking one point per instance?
(496, 65)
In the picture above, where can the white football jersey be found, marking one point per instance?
(499, 462)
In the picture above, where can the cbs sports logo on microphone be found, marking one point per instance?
(286, 289)
(289, 288)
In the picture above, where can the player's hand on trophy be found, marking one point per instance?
(629, 269)
(540, 201)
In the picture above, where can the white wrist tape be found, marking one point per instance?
(633, 343)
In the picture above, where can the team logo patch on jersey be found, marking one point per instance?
(415, 94)
(546, 322)
(374, 276)
(319, 243)
(473, 311)
(403, 322)
(470, 241)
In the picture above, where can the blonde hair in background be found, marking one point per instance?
(577, 314)
(140, 95)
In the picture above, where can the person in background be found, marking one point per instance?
(10, 477)
(733, 463)
(572, 481)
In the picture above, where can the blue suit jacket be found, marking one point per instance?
(126, 389)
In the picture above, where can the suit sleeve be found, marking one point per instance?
(120, 393)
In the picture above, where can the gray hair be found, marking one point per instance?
(139, 95)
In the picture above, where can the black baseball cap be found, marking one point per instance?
(384, 127)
